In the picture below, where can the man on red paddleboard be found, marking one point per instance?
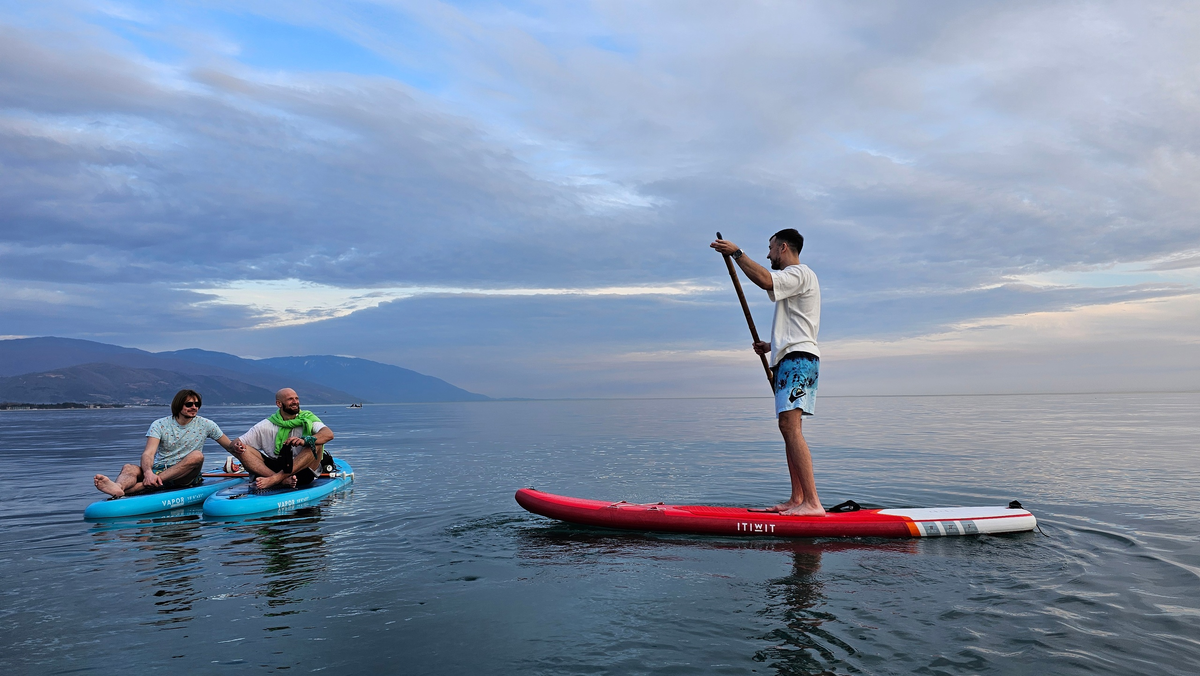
(795, 359)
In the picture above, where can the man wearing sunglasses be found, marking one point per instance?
(173, 457)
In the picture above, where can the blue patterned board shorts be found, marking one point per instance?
(796, 383)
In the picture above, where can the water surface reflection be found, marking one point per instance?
(797, 621)
(801, 645)
(167, 560)
(285, 554)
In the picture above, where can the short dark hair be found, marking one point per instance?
(790, 237)
(182, 396)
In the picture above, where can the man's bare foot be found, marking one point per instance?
(106, 485)
(805, 510)
(783, 506)
(290, 482)
(264, 482)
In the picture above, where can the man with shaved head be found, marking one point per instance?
(287, 448)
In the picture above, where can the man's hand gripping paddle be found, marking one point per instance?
(737, 284)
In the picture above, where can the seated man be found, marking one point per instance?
(172, 458)
(286, 448)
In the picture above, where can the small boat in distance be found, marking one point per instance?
(354, 406)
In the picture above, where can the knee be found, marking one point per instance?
(790, 421)
(194, 458)
(131, 468)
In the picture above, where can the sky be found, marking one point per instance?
(518, 197)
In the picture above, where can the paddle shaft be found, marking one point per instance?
(737, 285)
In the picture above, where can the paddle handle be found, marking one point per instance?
(737, 285)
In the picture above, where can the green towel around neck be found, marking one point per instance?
(305, 418)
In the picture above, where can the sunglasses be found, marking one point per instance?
(191, 404)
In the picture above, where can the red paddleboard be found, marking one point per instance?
(701, 520)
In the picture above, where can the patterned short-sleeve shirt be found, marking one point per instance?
(176, 441)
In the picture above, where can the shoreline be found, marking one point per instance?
(66, 405)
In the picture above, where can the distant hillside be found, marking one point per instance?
(374, 381)
(36, 355)
(33, 355)
(112, 384)
(318, 379)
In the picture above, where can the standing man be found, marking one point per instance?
(286, 448)
(795, 359)
(172, 457)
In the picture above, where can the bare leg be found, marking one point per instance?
(305, 459)
(130, 476)
(804, 484)
(252, 462)
(792, 501)
(268, 478)
(182, 468)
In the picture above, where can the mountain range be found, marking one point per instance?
(54, 370)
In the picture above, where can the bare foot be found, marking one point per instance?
(265, 482)
(291, 481)
(805, 510)
(783, 506)
(106, 485)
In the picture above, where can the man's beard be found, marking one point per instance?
(775, 265)
(292, 410)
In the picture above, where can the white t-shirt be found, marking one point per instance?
(262, 435)
(797, 299)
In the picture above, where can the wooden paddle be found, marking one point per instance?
(737, 284)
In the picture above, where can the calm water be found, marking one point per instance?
(428, 566)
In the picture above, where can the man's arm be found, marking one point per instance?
(754, 272)
(250, 457)
(149, 478)
(303, 456)
(324, 436)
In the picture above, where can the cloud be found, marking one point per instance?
(949, 164)
(292, 302)
(1138, 322)
(1182, 268)
(124, 313)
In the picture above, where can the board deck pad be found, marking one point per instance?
(242, 499)
(740, 521)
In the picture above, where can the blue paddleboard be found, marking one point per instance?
(241, 499)
(157, 501)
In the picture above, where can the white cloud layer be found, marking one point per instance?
(1132, 324)
(293, 302)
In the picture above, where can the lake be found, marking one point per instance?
(428, 565)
